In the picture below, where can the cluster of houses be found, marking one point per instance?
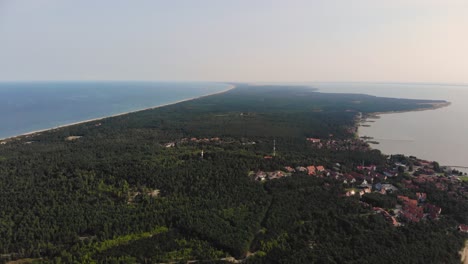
(441, 183)
(367, 175)
(445, 179)
(365, 187)
(132, 195)
(200, 140)
(338, 145)
(410, 210)
(309, 170)
(413, 210)
(262, 176)
(368, 179)
(192, 140)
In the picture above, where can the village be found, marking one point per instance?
(397, 183)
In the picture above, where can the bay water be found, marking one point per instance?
(436, 135)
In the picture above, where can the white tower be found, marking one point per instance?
(274, 147)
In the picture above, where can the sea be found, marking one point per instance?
(435, 135)
(33, 106)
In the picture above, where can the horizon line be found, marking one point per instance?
(240, 82)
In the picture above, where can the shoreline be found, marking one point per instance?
(32, 133)
(376, 115)
(435, 106)
(364, 119)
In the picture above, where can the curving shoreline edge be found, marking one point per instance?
(32, 133)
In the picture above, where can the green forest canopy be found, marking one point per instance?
(117, 194)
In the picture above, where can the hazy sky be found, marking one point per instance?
(235, 40)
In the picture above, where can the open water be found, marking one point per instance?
(31, 106)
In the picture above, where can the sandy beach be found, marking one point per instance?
(28, 134)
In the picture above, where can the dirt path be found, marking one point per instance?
(464, 254)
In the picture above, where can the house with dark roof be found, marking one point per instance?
(368, 168)
(389, 187)
(433, 211)
(463, 228)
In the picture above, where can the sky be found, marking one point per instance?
(241, 40)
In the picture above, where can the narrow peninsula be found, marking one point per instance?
(257, 174)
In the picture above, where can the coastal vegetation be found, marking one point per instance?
(175, 184)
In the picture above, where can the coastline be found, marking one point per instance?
(364, 119)
(373, 116)
(32, 133)
(435, 106)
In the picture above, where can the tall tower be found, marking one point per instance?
(274, 147)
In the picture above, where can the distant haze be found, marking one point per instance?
(241, 40)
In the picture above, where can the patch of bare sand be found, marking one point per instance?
(464, 254)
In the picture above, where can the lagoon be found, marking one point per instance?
(437, 135)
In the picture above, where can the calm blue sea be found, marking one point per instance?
(31, 106)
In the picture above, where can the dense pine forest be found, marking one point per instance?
(177, 184)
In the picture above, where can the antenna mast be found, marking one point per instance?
(274, 147)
